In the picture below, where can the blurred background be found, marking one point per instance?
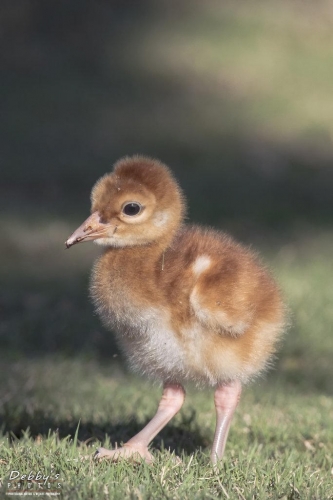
(235, 96)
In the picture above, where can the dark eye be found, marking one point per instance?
(132, 208)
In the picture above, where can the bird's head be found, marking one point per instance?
(137, 204)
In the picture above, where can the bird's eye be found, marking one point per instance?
(132, 208)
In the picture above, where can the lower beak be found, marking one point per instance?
(91, 229)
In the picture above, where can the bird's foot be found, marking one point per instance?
(128, 452)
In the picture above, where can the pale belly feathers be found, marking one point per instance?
(153, 349)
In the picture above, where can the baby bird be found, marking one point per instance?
(187, 304)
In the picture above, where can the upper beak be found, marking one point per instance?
(91, 229)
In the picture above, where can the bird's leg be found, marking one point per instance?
(137, 447)
(226, 399)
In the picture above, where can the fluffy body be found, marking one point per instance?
(186, 303)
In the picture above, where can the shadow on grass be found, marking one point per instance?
(186, 436)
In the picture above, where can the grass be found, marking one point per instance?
(236, 97)
(280, 445)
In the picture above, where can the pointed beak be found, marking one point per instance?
(91, 229)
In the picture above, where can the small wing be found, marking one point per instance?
(221, 297)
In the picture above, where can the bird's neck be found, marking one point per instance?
(151, 255)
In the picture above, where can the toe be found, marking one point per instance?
(132, 454)
(99, 453)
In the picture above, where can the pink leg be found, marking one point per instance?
(226, 400)
(172, 400)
